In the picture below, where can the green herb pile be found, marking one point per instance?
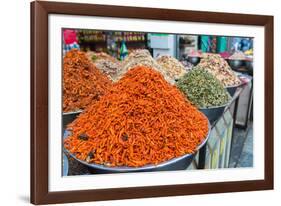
(203, 89)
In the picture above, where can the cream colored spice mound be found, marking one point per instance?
(173, 68)
(105, 63)
(142, 57)
(217, 66)
(238, 56)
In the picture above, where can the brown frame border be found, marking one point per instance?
(39, 102)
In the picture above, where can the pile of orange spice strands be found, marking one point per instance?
(142, 120)
(83, 83)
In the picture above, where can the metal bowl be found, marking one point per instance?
(213, 113)
(232, 89)
(69, 117)
(65, 165)
(193, 60)
(235, 64)
(244, 78)
(249, 65)
(179, 163)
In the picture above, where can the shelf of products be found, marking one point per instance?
(110, 42)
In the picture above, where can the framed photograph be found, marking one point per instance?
(131, 102)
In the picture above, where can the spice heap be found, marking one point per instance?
(203, 89)
(83, 83)
(173, 68)
(238, 55)
(187, 65)
(217, 66)
(105, 63)
(141, 57)
(142, 120)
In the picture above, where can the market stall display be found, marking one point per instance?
(107, 64)
(173, 68)
(142, 120)
(217, 66)
(134, 121)
(141, 57)
(83, 83)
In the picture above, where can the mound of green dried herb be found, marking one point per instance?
(203, 89)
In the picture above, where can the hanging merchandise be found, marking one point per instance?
(246, 44)
(221, 44)
(213, 44)
(235, 44)
(70, 40)
(241, 44)
(111, 45)
(205, 42)
(123, 51)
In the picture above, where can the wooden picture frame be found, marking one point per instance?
(39, 102)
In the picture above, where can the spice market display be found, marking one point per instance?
(149, 102)
(142, 120)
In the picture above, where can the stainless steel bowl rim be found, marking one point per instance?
(216, 107)
(146, 167)
(236, 59)
(244, 75)
(74, 112)
(233, 86)
(66, 165)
